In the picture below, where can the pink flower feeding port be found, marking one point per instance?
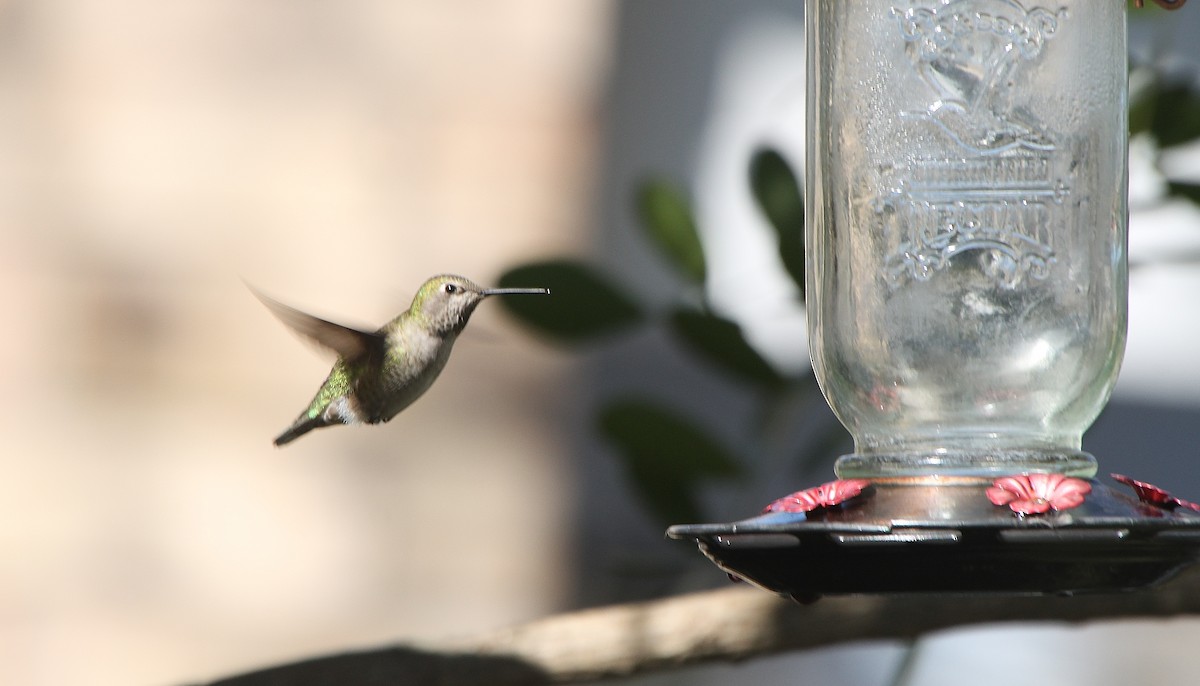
(966, 294)
(1035, 494)
(831, 494)
(1153, 495)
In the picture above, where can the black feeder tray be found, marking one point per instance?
(943, 535)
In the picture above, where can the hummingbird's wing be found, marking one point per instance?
(351, 344)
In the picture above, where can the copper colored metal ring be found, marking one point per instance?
(1168, 4)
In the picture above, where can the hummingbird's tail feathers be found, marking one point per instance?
(301, 427)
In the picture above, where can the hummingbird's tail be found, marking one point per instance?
(301, 427)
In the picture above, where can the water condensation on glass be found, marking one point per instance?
(966, 228)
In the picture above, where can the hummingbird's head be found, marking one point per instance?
(445, 302)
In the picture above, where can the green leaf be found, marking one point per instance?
(582, 304)
(1141, 109)
(721, 342)
(1190, 191)
(665, 456)
(779, 195)
(1174, 113)
(668, 222)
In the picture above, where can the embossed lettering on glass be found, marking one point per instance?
(966, 238)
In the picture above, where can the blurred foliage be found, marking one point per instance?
(1168, 109)
(668, 221)
(779, 195)
(720, 342)
(587, 305)
(667, 456)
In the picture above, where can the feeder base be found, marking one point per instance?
(942, 535)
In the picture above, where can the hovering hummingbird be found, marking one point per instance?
(378, 374)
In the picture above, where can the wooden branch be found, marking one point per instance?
(726, 625)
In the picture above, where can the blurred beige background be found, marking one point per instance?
(334, 154)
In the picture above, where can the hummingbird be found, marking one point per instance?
(379, 373)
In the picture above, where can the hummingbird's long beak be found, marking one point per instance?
(516, 291)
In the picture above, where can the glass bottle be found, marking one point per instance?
(966, 237)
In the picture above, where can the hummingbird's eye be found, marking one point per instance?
(450, 288)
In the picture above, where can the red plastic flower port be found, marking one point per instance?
(1153, 495)
(825, 495)
(1038, 493)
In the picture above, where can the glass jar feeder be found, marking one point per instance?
(966, 286)
(966, 184)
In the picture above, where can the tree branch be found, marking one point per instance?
(726, 625)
